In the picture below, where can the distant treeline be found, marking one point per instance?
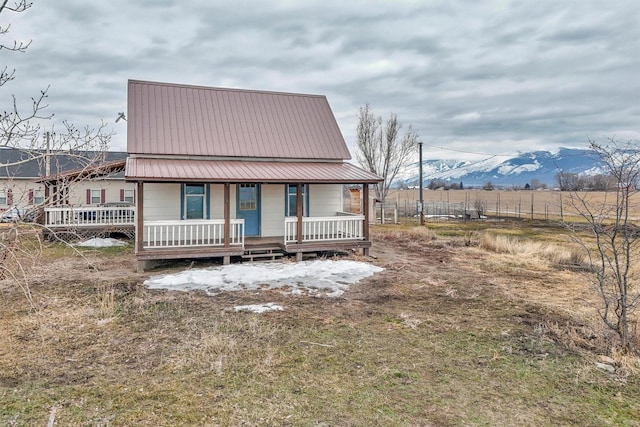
(564, 181)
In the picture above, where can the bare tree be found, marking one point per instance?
(614, 252)
(20, 128)
(381, 150)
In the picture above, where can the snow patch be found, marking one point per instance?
(101, 243)
(318, 277)
(259, 308)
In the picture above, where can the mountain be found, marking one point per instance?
(515, 171)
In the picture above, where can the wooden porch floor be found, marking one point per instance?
(251, 245)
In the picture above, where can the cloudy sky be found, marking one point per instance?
(476, 78)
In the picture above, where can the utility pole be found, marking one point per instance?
(47, 155)
(421, 201)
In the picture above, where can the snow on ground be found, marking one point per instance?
(319, 277)
(101, 243)
(259, 308)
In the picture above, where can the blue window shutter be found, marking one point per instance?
(306, 193)
(181, 201)
(207, 201)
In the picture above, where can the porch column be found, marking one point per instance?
(300, 214)
(139, 216)
(299, 211)
(365, 211)
(227, 221)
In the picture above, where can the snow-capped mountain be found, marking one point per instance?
(508, 172)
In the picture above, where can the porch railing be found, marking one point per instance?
(343, 226)
(69, 216)
(191, 233)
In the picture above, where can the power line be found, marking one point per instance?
(468, 152)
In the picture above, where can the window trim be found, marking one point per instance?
(206, 203)
(291, 190)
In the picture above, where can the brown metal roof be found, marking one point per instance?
(170, 170)
(170, 119)
(90, 171)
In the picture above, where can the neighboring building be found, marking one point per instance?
(24, 175)
(228, 172)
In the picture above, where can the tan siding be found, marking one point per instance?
(272, 210)
(161, 202)
(217, 201)
(325, 199)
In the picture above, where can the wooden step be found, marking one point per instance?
(262, 254)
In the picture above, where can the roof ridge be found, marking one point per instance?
(224, 89)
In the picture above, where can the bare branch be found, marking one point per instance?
(379, 149)
(614, 254)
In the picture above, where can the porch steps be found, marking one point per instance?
(264, 253)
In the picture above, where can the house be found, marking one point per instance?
(90, 200)
(69, 186)
(26, 176)
(229, 172)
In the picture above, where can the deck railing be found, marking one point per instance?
(191, 233)
(86, 216)
(343, 226)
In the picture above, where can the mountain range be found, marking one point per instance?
(516, 171)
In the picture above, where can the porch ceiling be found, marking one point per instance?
(181, 170)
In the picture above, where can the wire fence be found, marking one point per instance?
(487, 205)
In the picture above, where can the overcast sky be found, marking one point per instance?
(484, 77)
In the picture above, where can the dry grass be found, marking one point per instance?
(566, 255)
(447, 335)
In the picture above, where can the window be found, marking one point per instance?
(3, 198)
(248, 197)
(290, 202)
(36, 196)
(95, 197)
(194, 201)
(128, 196)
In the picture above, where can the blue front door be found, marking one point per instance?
(248, 207)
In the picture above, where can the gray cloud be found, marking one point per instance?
(492, 77)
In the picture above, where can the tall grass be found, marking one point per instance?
(565, 255)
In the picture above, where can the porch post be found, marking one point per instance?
(139, 216)
(299, 213)
(365, 211)
(227, 221)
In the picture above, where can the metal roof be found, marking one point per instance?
(171, 119)
(181, 170)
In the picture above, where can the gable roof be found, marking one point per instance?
(184, 120)
(30, 164)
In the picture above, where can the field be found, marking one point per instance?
(546, 205)
(457, 330)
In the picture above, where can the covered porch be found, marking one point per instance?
(245, 208)
(226, 237)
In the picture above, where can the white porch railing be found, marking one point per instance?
(343, 226)
(69, 216)
(191, 233)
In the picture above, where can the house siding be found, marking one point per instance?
(161, 202)
(273, 210)
(19, 190)
(111, 188)
(325, 199)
